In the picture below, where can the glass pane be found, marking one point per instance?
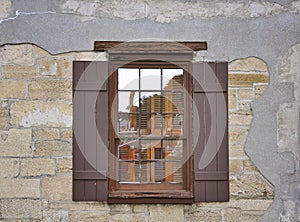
(128, 148)
(173, 149)
(127, 124)
(128, 79)
(150, 79)
(172, 79)
(173, 124)
(150, 125)
(128, 102)
(174, 102)
(151, 102)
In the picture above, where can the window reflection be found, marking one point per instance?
(150, 124)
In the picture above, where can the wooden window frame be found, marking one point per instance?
(152, 193)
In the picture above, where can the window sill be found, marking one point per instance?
(152, 197)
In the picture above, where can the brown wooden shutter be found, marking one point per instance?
(90, 105)
(210, 98)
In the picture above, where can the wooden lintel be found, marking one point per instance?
(117, 46)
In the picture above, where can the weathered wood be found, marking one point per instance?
(212, 182)
(149, 47)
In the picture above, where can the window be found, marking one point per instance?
(142, 133)
(150, 135)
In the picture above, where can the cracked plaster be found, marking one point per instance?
(244, 28)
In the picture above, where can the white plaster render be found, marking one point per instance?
(49, 116)
(170, 11)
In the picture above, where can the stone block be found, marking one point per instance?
(20, 188)
(259, 90)
(232, 99)
(18, 72)
(248, 166)
(91, 216)
(58, 68)
(12, 89)
(250, 64)
(59, 215)
(21, 208)
(244, 106)
(240, 118)
(17, 54)
(231, 215)
(58, 188)
(3, 118)
(250, 186)
(236, 151)
(238, 135)
(205, 215)
(45, 134)
(50, 89)
(66, 134)
(246, 94)
(250, 216)
(235, 166)
(246, 80)
(134, 217)
(37, 167)
(5, 8)
(140, 208)
(166, 213)
(80, 206)
(15, 142)
(38, 113)
(52, 148)
(64, 165)
(9, 168)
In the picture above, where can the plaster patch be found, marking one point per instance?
(170, 11)
(49, 116)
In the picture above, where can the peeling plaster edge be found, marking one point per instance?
(18, 13)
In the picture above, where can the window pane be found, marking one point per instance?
(151, 102)
(150, 79)
(127, 124)
(128, 102)
(128, 79)
(174, 102)
(172, 79)
(173, 124)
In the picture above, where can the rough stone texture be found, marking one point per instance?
(50, 89)
(5, 8)
(52, 148)
(37, 167)
(18, 72)
(15, 142)
(12, 89)
(20, 208)
(16, 54)
(57, 188)
(64, 165)
(59, 68)
(9, 168)
(157, 213)
(45, 134)
(19, 188)
(37, 113)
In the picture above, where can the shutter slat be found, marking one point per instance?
(89, 181)
(210, 98)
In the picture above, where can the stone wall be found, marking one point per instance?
(36, 145)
